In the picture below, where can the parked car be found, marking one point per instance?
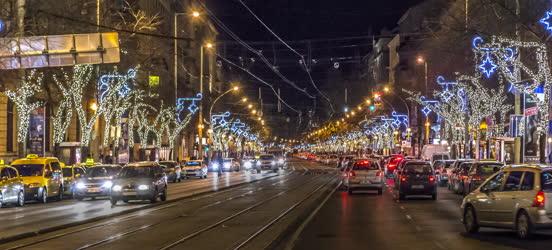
(71, 175)
(517, 198)
(12, 187)
(459, 177)
(140, 181)
(230, 164)
(97, 182)
(248, 162)
(266, 162)
(416, 178)
(441, 167)
(171, 169)
(42, 177)
(478, 173)
(453, 169)
(364, 174)
(194, 169)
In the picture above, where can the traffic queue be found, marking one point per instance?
(43, 179)
(515, 197)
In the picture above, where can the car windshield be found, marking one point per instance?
(489, 169)
(365, 165)
(29, 169)
(102, 171)
(168, 164)
(227, 160)
(67, 172)
(418, 168)
(440, 157)
(193, 163)
(133, 172)
(266, 157)
(546, 181)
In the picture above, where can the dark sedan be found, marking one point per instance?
(416, 178)
(96, 182)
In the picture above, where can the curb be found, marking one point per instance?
(21, 236)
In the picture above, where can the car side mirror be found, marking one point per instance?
(484, 190)
(4, 178)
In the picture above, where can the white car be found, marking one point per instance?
(364, 174)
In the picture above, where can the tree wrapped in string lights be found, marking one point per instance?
(64, 112)
(22, 98)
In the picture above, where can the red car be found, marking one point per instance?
(392, 163)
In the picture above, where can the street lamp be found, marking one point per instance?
(196, 14)
(422, 60)
(200, 130)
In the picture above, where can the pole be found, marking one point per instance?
(200, 124)
(175, 77)
(518, 149)
(425, 69)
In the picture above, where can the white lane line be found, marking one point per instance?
(408, 217)
(402, 207)
(439, 245)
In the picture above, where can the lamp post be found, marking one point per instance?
(201, 69)
(422, 60)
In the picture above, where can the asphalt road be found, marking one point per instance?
(249, 216)
(369, 221)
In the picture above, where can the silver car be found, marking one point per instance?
(516, 197)
(364, 174)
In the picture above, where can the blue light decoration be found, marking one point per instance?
(426, 110)
(180, 103)
(219, 120)
(487, 66)
(445, 94)
(105, 83)
(400, 119)
(2, 26)
(545, 21)
(237, 125)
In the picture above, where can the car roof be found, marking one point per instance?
(106, 166)
(415, 161)
(143, 164)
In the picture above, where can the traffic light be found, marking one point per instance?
(372, 108)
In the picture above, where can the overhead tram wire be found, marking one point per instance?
(260, 80)
(253, 50)
(294, 51)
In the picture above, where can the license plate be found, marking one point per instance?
(93, 190)
(365, 182)
(417, 186)
(129, 193)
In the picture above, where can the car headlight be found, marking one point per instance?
(226, 165)
(247, 164)
(258, 163)
(81, 185)
(107, 184)
(117, 188)
(143, 187)
(215, 166)
(273, 162)
(280, 161)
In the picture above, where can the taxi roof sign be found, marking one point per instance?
(1, 162)
(89, 162)
(32, 156)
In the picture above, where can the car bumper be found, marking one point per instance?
(540, 219)
(194, 173)
(85, 193)
(366, 186)
(32, 193)
(132, 195)
(426, 190)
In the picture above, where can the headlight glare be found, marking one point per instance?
(80, 185)
(117, 188)
(143, 187)
(107, 184)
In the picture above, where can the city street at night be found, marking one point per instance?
(288, 125)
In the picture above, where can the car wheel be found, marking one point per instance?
(1, 203)
(434, 196)
(113, 201)
(79, 198)
(44, 196)
(125, 200)
(258, 171)
(154, 197)
(350, 190)
(401, 196)
(380, 191)
(524, 226)
(275, 170)
(21, 199)
(60, 193)
(470, 220)
(163, 196)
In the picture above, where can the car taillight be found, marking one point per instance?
(431, 178)
(352, 173)
(378, 173)
(477, 178)
(391, 166)
(404, 178)
(539, 199)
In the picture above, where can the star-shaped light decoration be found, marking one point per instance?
(446, 95)
(487, 66)
(426, 110)
(545, 21)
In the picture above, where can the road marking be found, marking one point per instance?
(418, 228)
(439, 245)
(402, 207)
(408, 217)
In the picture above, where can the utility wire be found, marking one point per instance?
(304, 62)
(260, 80)
(256, 52)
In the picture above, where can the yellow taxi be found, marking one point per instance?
(71, 174)
(42, 177)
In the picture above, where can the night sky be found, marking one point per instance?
(296, 21)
